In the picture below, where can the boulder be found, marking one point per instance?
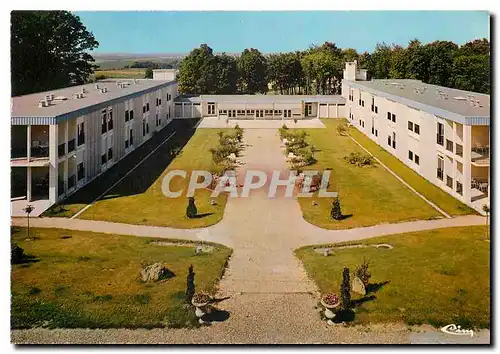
(358, 286)
(156, 272)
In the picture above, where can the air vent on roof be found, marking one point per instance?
(103, 90)
(83, 90)
(459, 98)
(60, 98)
(43, 103)
(97, 86)
(78, 95)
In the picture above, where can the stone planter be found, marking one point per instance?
(328, 309)
(200, 311)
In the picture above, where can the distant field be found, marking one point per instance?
(121, 73)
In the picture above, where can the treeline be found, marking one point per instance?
(167, 64)
(319, 69)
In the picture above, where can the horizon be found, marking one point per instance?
(119, 33)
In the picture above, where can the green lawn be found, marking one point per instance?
(439, 197)
(139, 199)
(438, 277)
(368, 195)
(91, 280)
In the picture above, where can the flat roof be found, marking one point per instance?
(335, 99)
(27, 106)
(459, 102)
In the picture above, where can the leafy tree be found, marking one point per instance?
(441, 56)
(472, 73)
(382, 61)
(49, 50)
(252, 67)
(149, 73)
(226, 71)
(191, 210)
(197, 72)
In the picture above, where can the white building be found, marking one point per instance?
(62, 139)
(441, 133)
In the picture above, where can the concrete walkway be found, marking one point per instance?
(271, 298)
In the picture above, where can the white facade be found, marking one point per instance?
(450, 154)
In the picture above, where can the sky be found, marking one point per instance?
(180, 32)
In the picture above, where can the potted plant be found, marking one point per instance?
(329, 302)
(201, 301)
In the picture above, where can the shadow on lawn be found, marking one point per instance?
(145, 175)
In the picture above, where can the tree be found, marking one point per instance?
(472, 73)
(382, 61)
(226, 71)
(191, 210)
(486, 209)
(336, 212)
(197, 72)
(252, 67)
(29, 208)
(345, 289)
(190, 287)
(149, 73)
(49, 50)
(441, 55)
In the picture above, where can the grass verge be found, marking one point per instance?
(433, 193)
(91, 280)
(437, 277)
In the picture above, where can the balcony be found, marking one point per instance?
(480, 156)
(61, 150)
(39, 150)
(71, 145)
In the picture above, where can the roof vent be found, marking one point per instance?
(104, 90)
(78, 95)
(43, 103)
(97, 86)
(60, 98)
(83, 90)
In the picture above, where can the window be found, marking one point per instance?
(80, 171)
(110, 154)
(440, 134)
(389, 115)
(110, 120)
(389, 140)
(459, 150)
(459, 188)
(143, 109)
(416, 129)
(410, 126)
(211, 108)
(449, 181)
(103, 159)
(417, 159)
(376, 132)
(127, 116)
(81, 134)
(394, 118)
(147, 107)
(393, 140)
(131, 137)
(126, 144)
(143, 127)
(449, 145)
(147, 128)
(410, 155)
(103, 121)
(440, 168)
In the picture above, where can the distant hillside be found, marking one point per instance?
(121, 60)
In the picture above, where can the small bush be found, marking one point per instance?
(336, 212)
(17, 255)
(283, 132)
(360, 160)
(342, 129)
(363, 273)
(191, 210)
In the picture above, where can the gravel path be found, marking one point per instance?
(271, 299)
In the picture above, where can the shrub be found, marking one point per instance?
(190, 288)
(101, 77)
(345, 289)
(239, 132)
(342, 129)
(363, 273)
(336, 212)
(17, 255)
(191, 210)
(283, 132)
(360, 160)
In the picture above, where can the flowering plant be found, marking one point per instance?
(201, 298)
(330, 299)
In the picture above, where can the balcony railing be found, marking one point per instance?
(480, 184)
(71, 145)
(480, 155)
(61, 150)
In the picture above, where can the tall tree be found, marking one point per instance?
(252, 67)
(197, 72)
(382, 61)
(226, 72)
(441, 55)
(49, 50)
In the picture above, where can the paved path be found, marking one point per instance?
(271, 298)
